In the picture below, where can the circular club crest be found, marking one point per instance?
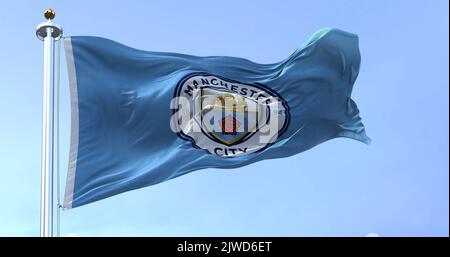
(227, 118)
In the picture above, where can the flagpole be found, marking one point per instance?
(49, 33)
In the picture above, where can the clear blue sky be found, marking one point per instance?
(398, 186)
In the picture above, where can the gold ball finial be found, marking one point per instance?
(49, 14)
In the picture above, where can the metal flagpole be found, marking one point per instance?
(49, 33)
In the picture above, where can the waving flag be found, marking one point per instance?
(141, 118)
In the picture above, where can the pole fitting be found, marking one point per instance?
(56, 30)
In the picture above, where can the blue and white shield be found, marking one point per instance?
(230, 118)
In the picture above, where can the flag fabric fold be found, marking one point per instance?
(139, 118)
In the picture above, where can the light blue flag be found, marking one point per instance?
(141, 118)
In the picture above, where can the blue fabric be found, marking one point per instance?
(123, 137)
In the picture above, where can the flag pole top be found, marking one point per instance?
(43, 28)
(49, 14)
